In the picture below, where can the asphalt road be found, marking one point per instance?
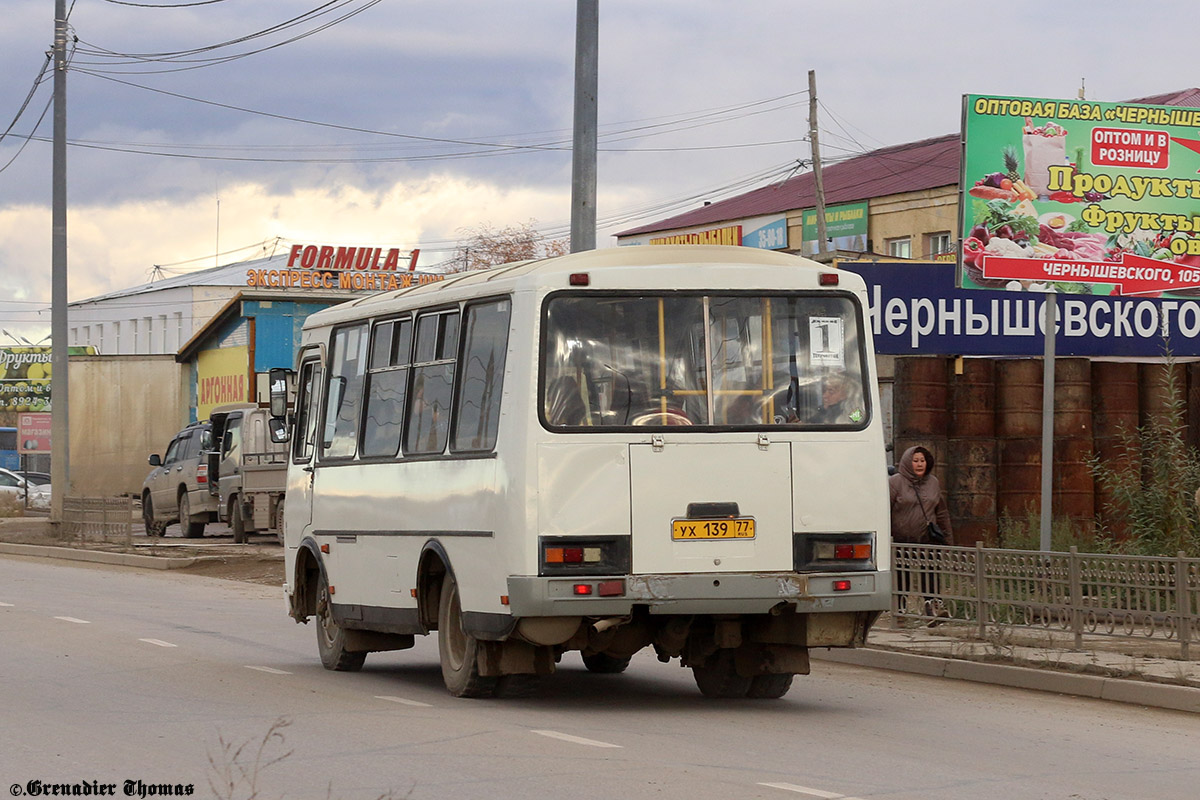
(113, 675)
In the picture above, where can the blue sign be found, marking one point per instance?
(770, 236)
(917, 310)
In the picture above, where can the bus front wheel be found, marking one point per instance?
(331, 637)
(457, 649)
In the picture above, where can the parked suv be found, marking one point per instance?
(176, 490)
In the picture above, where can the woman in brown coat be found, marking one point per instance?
(916, 498)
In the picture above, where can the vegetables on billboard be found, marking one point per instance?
(1055, 192)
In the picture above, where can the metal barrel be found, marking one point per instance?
(1019, 476)
(1074, 490)
(1019, 398)
(920, 401)
(973, 399)
(1115, 416)
(971, 489)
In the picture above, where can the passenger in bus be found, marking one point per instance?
(836, 406)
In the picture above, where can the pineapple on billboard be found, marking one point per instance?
(1080, 197)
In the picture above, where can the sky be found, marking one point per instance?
(205, 132)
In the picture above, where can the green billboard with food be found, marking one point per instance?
(1080, 196)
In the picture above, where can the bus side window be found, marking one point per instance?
(387, 387)
(427, 423)
(477, 407)
(347, 369)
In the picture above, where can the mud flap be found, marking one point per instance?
(512, 657)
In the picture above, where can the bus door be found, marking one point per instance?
(300, 481)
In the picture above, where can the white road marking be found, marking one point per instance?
(271, 670)
(402, 701)
(791, 787)
(76, 621)
(6, 605)
(566, 737)
(158, 642)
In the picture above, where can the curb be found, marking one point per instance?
(99, 556)
(1142, 693)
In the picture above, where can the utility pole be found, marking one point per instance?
(583, 151)
(816, 159)
(59, 429)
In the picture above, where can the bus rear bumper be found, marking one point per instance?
(708, 593)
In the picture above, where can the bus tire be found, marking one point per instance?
(770, 686)
(604, 664)
(237, 521)
(189, 529)
(719, 677)
(279, 521)
(331, 637)
(457, 649)
(154, 528)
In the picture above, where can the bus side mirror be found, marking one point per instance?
(278, 430)
(279, 380)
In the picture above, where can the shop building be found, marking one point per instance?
(974, 400)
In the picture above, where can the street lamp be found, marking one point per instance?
(19, 339)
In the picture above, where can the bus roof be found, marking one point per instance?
(610, 268)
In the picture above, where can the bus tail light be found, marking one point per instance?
(583, 555)
(833, 552)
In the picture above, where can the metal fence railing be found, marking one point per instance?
(109, 518)
(1075, 593)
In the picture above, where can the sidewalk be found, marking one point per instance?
(1122, 670)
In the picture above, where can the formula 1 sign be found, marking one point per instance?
(916, 309)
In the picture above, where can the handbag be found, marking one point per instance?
(933, 530)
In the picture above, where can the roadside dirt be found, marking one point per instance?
(258, 561)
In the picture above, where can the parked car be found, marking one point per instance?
(13, 488)
(176, 490)
(36, 478)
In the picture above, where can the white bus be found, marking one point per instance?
(667, 447)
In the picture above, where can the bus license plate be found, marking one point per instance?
(697, 529)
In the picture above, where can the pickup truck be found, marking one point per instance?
(247, 471)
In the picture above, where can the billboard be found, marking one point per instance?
(1087, 197)
(916, 309)
(25, 376)
(222, 376)
(845, 228)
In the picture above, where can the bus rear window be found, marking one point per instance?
(711, 360)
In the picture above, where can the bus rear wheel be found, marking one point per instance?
(457, 649)
(719, 677)
(769, 687)
(331, 637)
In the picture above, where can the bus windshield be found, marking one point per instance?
(723, 361)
